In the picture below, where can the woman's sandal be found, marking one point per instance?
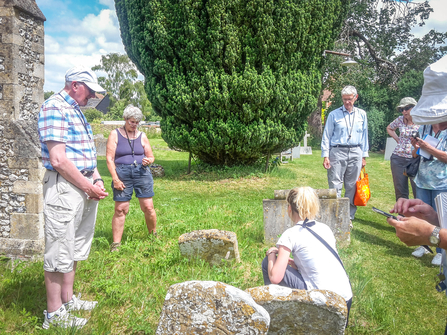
(115, 246)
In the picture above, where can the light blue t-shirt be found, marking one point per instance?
(432, 175)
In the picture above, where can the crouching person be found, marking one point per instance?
(315, 263)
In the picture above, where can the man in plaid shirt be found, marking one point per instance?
(72, 188)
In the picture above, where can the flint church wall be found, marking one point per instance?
(21, 94)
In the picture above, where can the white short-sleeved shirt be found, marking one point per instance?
(318, 266)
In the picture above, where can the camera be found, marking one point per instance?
(415, 134)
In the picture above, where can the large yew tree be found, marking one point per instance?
(233, 80)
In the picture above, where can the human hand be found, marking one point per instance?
(415, 142)
(412, 231)
(272, 250)
(363, 162)
(100, 183)
(326, 163)
(417, 208)
(97, 192)
(118, 184)
(148, 160)
(423, 144)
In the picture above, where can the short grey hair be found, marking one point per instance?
(348, 90)
(132, 111)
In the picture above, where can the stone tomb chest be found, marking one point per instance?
(333, 211)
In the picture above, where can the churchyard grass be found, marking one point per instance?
(394, 292)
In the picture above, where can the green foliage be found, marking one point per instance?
(122, 84)
(119, 70)
(233, 80)
(390, 59)
(92, 114)
(47, 94)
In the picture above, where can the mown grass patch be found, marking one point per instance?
(394, 292)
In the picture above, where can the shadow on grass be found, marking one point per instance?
(395, 248)
(375, 225)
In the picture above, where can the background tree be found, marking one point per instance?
(391, 60)
(93, 114)
(122, 84)
(47, 94)
(234, 80)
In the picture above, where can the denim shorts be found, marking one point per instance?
(135, 177)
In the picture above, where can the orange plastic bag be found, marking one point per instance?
(363, 192)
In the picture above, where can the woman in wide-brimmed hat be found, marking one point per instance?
(402, 154)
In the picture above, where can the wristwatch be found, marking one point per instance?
(434, 237)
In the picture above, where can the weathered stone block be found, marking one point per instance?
(6, 11)
(334, 212)
(301, 312)
(24, 163)
(26, 226)
(15, 248)
(211, 245)
(100, 144)
(27, 187)
(34, 203)
(36, 174)
(207, 307)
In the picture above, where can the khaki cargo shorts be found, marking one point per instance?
(69, 223)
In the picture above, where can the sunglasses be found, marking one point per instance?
(406, 108)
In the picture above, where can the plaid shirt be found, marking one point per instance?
(61, 120)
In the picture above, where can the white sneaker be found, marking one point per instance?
(437, 259)
(76, 304)
(420, 251)
(63, 319)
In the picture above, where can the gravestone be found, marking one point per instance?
(100, 144)
(292, 311)
(389, 148)
(334, 212)
(21, 94)
(305, 150)
(296, 151)
(207, 307)
(211, 245)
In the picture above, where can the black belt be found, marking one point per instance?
(87, 173)
(345, 146)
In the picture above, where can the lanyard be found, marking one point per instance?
(353, 120)
(128, 140)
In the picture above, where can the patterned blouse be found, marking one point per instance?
(403, 148)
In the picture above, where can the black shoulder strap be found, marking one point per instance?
(306, 225)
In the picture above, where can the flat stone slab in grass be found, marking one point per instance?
(208, 307)
(211, 245)
(292, 311)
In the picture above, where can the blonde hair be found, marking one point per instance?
(304, 201)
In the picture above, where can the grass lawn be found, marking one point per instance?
(393, 291)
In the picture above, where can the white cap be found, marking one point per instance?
(84, 75)
(432, 106)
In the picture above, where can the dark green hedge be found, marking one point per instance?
(232, 80)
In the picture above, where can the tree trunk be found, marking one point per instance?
(314, 120)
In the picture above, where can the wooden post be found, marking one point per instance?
(189, 163)
(267, 162)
